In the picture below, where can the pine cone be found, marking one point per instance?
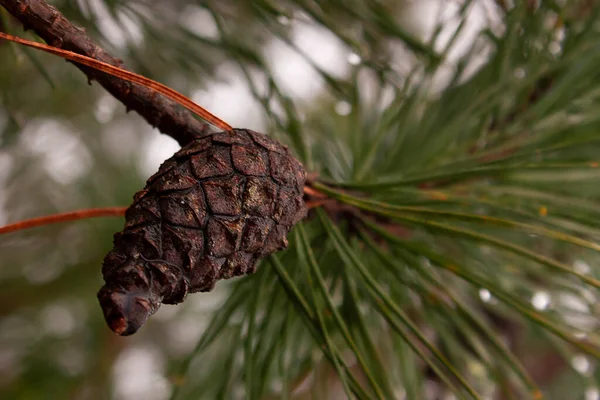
(210, 212)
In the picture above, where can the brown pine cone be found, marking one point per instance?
(210, 212)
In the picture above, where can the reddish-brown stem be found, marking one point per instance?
(316, 203)
(112, 212)
(314, 193)
(64, 217)
(125, 75)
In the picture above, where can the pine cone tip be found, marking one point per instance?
(125, 312)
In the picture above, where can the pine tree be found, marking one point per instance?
(451, 246)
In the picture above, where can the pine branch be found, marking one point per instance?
(160, 112)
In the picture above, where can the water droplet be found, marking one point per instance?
(316, 355)
(540, 300)
(364, 308)
(555, 48)
(592, 393)
(580, 335)
(239, 392)
(400, 393)
(283, 20)
(354, 59)
(277, 385)
(581, 364)
(519, 73)
(581, 267)
(485, 295)
(343, 108)
(349, 357)
(485, 250)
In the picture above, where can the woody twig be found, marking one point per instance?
(48, 23)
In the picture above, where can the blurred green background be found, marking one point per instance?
(467, 132)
